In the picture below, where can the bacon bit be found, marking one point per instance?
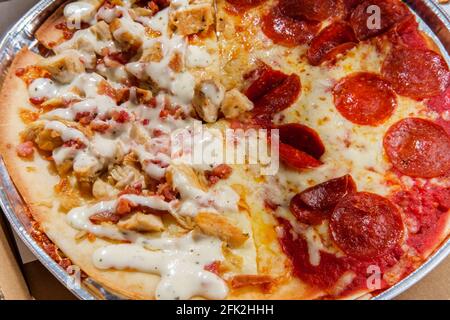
(37, 101)
(120, 95)
(134, 189)
(145, 122)
(222, 171)
(124, 206)
(99, 126)
(25, 150)
(31, 73)
(246, 280)
(122, 57)
(161, 3)
(67, 32)
(104, 216)
(77, 144)
(152, 103)
(176, 112)
(213, 267)
(121, 116)
(167, 192)
(153, 6)
(84, 118)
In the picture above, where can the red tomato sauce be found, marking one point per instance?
(331, 268)
(427, 210)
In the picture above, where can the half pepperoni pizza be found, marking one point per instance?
(106, 123)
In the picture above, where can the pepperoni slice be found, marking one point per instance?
(350, 5)
(416, 73)
(407, 33)
(418, 148)
(287, 31)
(363, 18)
(365, 99)
(297, 159)
(265, 79)
(366, 225)
(302, 138)
(279, 98)
(326, 195)
(304, 214)
(335, 39)
(313, 205)
(314, 10)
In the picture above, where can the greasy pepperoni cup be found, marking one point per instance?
(418, 148)
(416, 73)
(364, 99)
(365, 225)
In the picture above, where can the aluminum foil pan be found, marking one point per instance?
(432, 19)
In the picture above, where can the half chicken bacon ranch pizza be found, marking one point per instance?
(360, 112)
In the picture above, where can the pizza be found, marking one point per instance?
(104, 119)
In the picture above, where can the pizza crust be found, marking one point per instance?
(48, 34)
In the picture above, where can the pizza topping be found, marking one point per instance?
(179, 261)
(364, 22)
(218, 226)
(332, 41)
(208, 97)
(26, 149)
(407, 33)
(222, 171)
(418, 148)
(191, 19)
(287, 31)
(365, 99)
(297, 159)
(366, 225)
(234, 104)
(279, 98)
(326, 195)
(315, 204)
(63, 67)
(302, 138)
(141, 222)
(104, 216)
(312, 9)
(305, 214)
(416, 73)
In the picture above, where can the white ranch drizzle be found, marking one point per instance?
(179, 261)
